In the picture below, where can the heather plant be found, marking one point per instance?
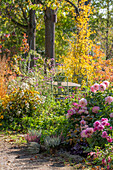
(33, 136)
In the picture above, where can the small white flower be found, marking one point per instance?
(9, 87)
(25, 86)
(18, 113)
(27, 105)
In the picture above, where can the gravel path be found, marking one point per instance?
(13, 157)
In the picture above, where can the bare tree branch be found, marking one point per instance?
(19, 24)
(24, 13)
(14, 21)
(76, 9)
(39, 1)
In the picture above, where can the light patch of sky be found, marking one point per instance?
(104, 11)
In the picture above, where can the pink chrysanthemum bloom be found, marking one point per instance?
(109, 99)
(106, 83)
(111, 115)
(92, 89)
(97, 123)
(83, 135)
(104, 134)
(102, 87)
(83, 102)
(89, 132)
(95, 109)
(96, 86)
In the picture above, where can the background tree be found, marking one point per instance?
(102, 22)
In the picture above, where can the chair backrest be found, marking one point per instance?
(59, 87)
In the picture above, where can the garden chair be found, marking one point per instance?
(59, 87)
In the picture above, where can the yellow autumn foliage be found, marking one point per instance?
(79, 65)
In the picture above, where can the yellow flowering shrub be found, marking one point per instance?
(85, 62)
(21, 101)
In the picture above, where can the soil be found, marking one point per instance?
(13, 156)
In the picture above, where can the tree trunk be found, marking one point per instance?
(50, 19)
(32, 34)
(107, 32)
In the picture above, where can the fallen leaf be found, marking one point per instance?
(31, 159)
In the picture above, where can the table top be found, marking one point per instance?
(64, 84)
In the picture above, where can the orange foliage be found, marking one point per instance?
(6, 75)
(25, 46)
(103, 69)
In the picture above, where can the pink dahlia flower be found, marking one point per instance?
(92, 89)
(95, 128)
(81, 111)
(104, 134)
(106, 83)
(104, 123)
(89, 132)
(82, 122)
(104, 119)
(102, 87)
(109, 139)
(104, 161)
(75, 104)
(83, 102)
(96, 86)
(100, 127)
(108, 99)
(95, 109)
(83, 135)
(97, 123)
